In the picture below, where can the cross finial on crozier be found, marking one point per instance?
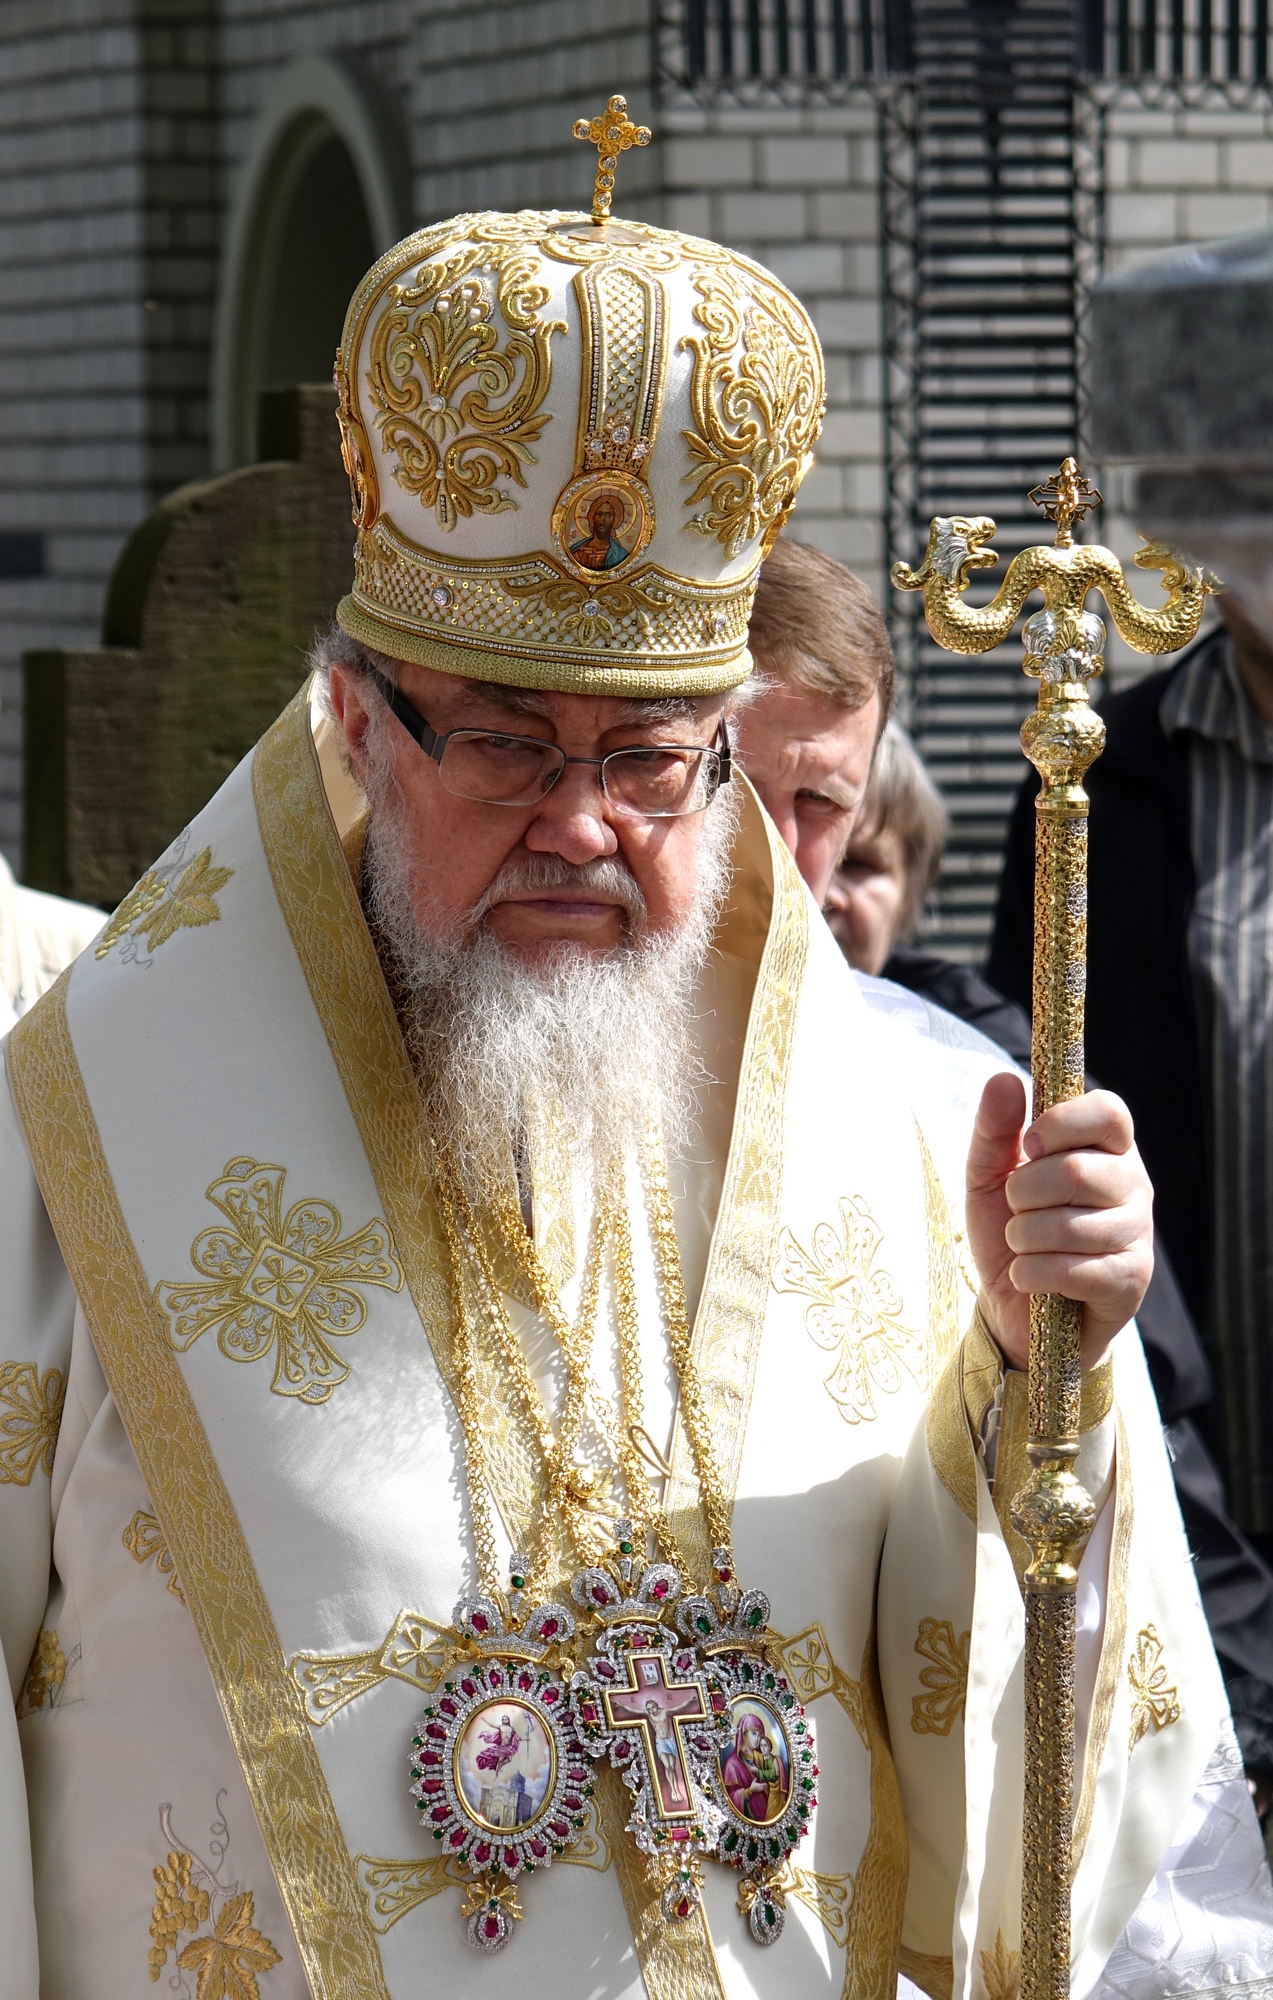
(1065, 498)
(613, 133)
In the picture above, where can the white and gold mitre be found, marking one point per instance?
(570, 445)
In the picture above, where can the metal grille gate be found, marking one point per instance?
(984, 279)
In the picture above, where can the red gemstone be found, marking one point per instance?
(468, 1687)
(431, 1787)
(571, 1802)
(588, 1710)
(480, 1622)
(447, 1706)
(622, 1751)
(599, 1593)
(558, 1828)
(678, 1833)
(539, 1848)
(440, 1813)
(512, 1859)
(430, 1757)
(723, 1575)
(549, 1697)
(605, 1670)
(525, 1680)
(683, 1907)
(549, 1629)
(660, 1589)
(459, 1837)
(491, 1927)
(437, 1731)
(482, 1852)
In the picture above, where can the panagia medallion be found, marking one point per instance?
(707, 1732)
(498, 1774)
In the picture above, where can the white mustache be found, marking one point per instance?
(607, 878)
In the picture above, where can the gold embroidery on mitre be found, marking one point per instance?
(1155, 1702)
(856, 1309)
(144, 1538)
(163, 903)
(1001, 1971)
(935, 1712)
(30, 1417)
(459, 410)
(287, 1282)
(226, 1952)
(757, 414)
(46, 1675)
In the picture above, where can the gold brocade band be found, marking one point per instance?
(320, 905)
(263, 1710)
(596, 672)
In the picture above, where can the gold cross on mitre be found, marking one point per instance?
(613, 133)
(1065, 498)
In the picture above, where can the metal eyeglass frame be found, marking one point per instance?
(433, 745)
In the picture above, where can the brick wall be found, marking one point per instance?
(105, 294)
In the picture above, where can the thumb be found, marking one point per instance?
(995, 1149)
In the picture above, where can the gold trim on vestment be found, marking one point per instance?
(731, 1312)
(879, 1887)
(934, 1976)
(1109, 1672)
(263, 1711)
(320, 905)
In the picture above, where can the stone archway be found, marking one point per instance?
(323, 188)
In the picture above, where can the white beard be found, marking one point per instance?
(582, 1047)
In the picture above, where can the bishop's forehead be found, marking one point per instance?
(570, 446)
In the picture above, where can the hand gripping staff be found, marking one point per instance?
(1064, 646)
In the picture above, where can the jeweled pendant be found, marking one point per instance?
(498, 1774)
(764, 1778)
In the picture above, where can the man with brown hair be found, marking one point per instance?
(825, 667)
(825, 673)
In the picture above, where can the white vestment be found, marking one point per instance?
(218, 1240)
(39, 935)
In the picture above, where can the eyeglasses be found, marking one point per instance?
(654, 781)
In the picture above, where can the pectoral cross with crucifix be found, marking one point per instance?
(655, 1710)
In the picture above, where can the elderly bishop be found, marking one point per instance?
(510, 1394)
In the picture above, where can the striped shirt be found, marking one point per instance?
(1231, 959)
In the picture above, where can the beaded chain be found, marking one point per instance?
(556, 1450)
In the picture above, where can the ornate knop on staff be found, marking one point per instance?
(1064, 648)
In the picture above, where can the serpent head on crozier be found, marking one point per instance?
(1065, 574)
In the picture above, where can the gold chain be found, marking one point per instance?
(693, 1408)
(575, 1341)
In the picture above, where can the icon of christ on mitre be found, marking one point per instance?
(528, 1298)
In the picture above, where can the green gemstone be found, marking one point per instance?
(437, 1833)
(753, 1852)
(625, 1548)
(703, 1624)
(729, 1843)
(754, 1617)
